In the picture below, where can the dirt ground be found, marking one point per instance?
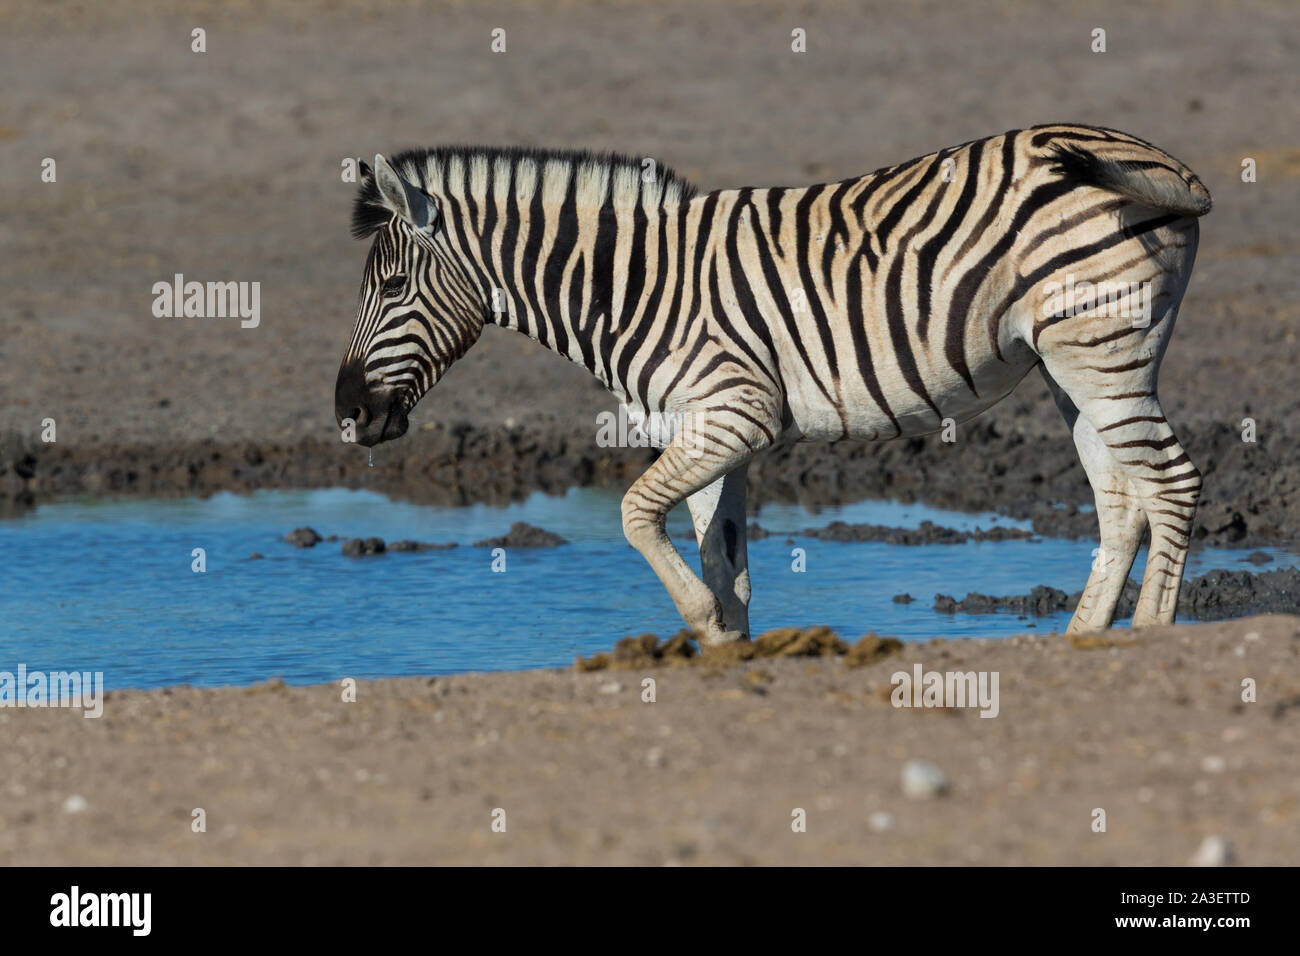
(225, 166)
(712, 772)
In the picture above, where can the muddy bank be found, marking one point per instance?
(1149, 727)
(442, 466)
(1249, 496)
(926, 533)
(1247, 502)
(1214, 596)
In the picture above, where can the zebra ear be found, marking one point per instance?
(409, 202)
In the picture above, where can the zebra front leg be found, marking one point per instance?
(718, 512)
(687, 466)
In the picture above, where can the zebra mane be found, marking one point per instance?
(470, 171)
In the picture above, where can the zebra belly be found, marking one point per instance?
(852, 411)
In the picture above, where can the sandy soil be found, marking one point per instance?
(1154, 733)
(225, 166)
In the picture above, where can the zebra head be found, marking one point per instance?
(419, 308)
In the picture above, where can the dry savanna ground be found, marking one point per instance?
(1152, 730)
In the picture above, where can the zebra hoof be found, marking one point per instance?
(718, 638)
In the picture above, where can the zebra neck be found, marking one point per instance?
(563, 277)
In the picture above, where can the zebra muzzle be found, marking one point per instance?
(376, 416)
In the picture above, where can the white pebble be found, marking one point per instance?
(881, 821)
(613, 687)
(1213, 851)
(1214, 764)
(75, 804)
(922, 780)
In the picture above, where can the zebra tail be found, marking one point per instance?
(1146, 175)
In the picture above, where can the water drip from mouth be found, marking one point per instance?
(372, 458)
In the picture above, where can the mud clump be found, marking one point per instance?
(1040, 601)
(872, 648)
(303, 538)
(1214, 596)
(363, 547)
(523, 535)
(420, 546)
(636, 653)
(782, 642)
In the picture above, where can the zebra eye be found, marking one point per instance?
(394, 284)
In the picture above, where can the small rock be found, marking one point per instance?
(255, 556)
(1213, 851)
(362, 547)
(1214, 764)
(923, 780)
(613, 687)
(881, 821)
(1258, 557)
(420, 546)
(303, 538)
(903, 599)
(523, 535)
(75, 804)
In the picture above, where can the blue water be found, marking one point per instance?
(107, 585)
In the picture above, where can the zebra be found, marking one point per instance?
(872, 308)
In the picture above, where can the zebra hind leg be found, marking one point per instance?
(1169, 485)
(1128, 420)
(718, 513)
(1119, 515)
